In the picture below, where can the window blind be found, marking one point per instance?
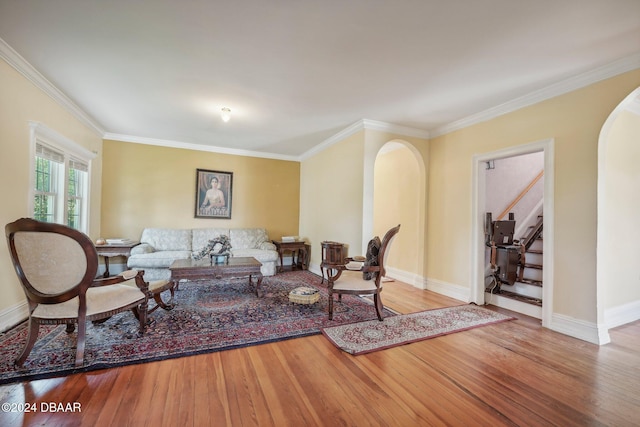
(78, 165)
(49, 153)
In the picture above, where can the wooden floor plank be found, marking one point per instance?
(512, 373)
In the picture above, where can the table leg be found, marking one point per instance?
(259, 292)
(106, 267)
(281, 264)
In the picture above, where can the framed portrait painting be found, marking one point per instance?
(213, 194)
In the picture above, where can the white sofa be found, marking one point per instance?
(159, 247)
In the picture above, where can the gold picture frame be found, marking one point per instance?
(214, 190)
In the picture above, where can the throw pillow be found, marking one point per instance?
(373, 248)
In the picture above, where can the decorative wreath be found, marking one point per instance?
(219, 246)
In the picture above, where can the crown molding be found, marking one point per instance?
(343, 134)
(362, 125)
(14, 59)
(573, 83)
(391, 128)
(195, 147)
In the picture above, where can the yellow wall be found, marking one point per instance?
(621, 198)
(337, 192)
(574, 120)
(151, 186)
(397, 194)
(20, 103)
(331, 196)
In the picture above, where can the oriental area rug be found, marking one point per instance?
(373, 335)
(208, 316)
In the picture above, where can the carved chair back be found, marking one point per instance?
(54, 263)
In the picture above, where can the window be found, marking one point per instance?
(60, 179)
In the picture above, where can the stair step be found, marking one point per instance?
(522, 298)
(531, 282)
(536, 266)
(534, 251)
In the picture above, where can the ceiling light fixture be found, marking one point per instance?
(226, 114)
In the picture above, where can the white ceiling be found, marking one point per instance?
(296, 72)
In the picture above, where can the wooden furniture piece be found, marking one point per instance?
(236, 267)
(110, 251)
(342, 281)
(156, 288)
(333, 255)
(299, 248)
(57, 268)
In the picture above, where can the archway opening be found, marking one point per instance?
(618, 283)
(398, 198)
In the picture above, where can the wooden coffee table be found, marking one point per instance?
(236, 267)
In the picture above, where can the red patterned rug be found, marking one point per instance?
(373, 335)
(209, 316)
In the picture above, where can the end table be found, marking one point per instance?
(110, 251)
(301, 248)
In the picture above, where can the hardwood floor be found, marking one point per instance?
(512, 373)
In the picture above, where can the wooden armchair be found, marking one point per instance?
(343, 280)
(57, 267)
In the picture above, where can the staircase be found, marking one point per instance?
(528, 287)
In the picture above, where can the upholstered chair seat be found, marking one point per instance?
(368, 279)
(57, 267)
(99, 301)
(352, 281)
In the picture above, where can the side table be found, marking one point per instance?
(110, 251)
(300, 248)
(333, 258)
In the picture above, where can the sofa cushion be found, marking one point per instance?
(247, 238)
(259, 254)
(167, 239)
(200, 237)
(267, 246)
(161, 259)
(142, 248)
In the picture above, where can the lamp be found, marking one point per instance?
(226, 114)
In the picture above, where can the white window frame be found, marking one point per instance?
(72, 152)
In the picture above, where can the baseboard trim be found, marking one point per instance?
(11, 316)
(580, 329)
(448, 289)
(622, 314)
(412, 279)
(513, 305)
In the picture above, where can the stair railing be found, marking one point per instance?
(520, 196)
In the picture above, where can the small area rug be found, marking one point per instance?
(209, 316)
(373, 335)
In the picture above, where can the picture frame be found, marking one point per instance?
(214, 190)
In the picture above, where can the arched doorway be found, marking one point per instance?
(398, 198)
(618, 282)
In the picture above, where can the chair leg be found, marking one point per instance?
(82, 336)
(159, 303)
(378, 303)
(32, 336)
